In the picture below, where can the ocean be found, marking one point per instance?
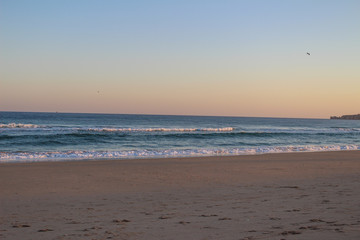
(33, 137)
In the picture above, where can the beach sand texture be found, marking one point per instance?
(271, 196)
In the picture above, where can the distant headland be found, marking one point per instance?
(347, 117)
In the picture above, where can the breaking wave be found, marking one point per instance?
(225, 129)
(112, 129)
(131, 154)
(19, 125)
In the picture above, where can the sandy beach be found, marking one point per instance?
(270, 196)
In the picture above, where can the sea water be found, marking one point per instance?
(29, 137)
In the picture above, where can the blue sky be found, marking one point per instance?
(243, 58)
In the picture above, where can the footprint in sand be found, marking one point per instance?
(45, 230)
(21, 226)
(290, 233)
(121, 221)
(183, 222)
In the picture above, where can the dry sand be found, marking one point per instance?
(272, 196)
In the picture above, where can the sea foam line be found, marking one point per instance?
(115, 129)
(93, 155)
(19, 125)
(245, 130)
(225, 129)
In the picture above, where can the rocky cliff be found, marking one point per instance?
(347, 117)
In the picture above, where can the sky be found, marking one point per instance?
(188, 57)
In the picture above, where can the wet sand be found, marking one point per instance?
(271, 196)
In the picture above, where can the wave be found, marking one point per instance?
(19, 125)
(225, 129)
(98, 136)
(100, 155)
(346, 129)
(114, 129)
(302, 130)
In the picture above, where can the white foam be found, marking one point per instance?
(93, 155)
(19, 125)
(113, 129)
(225, 129)
(251, 130)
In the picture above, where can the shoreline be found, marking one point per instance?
(38, 160)
(269, 196)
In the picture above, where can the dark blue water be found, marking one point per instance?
(61, 136)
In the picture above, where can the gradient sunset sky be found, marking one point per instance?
(234, 58)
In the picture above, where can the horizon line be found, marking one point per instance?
(154, 114)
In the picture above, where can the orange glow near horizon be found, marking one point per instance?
(128, 61)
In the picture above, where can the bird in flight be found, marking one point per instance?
(308, 53)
